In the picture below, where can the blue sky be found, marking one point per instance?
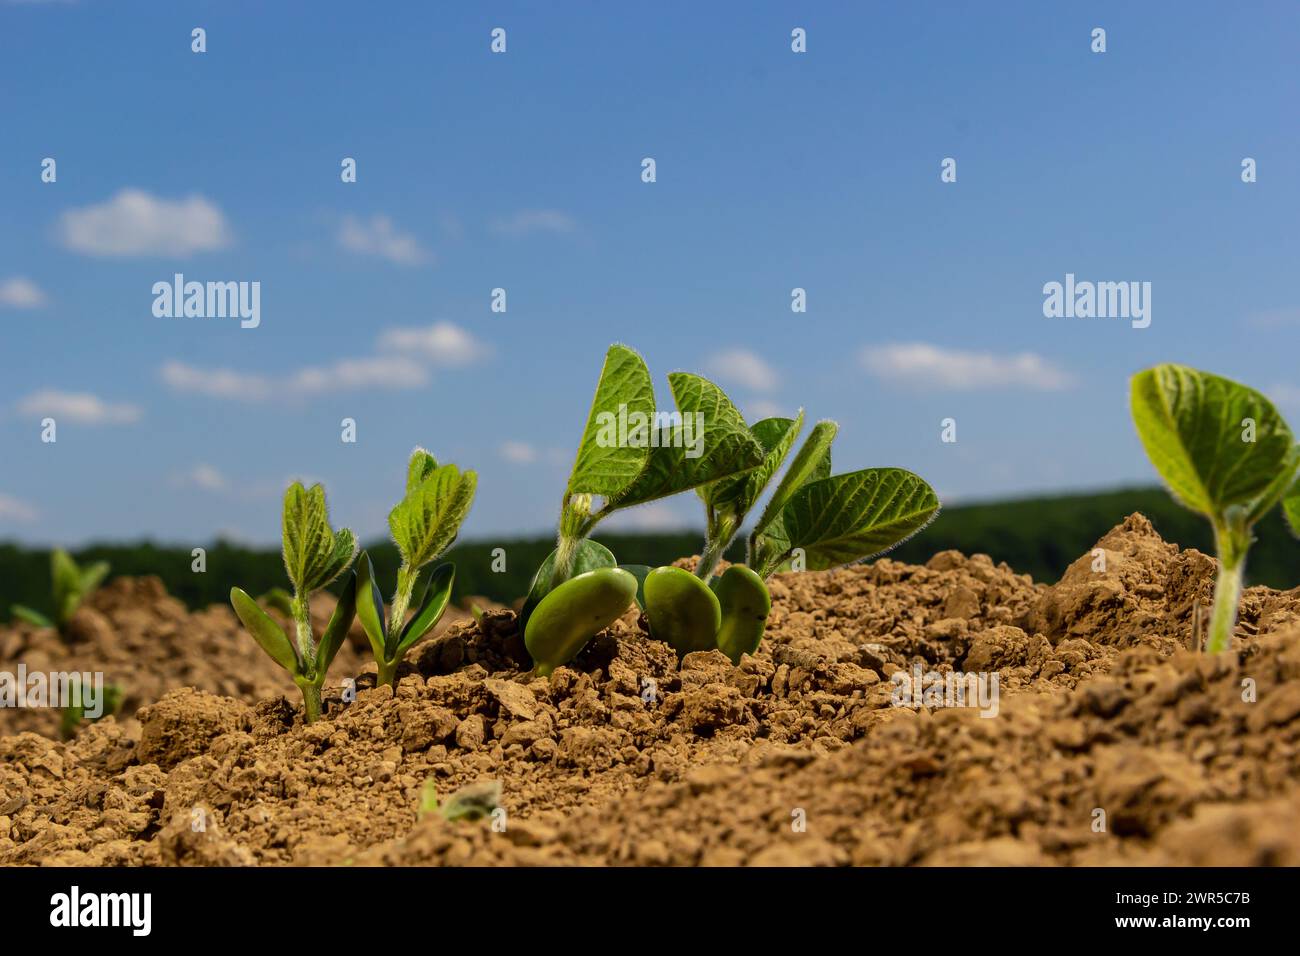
(522, 170)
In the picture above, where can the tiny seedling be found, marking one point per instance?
(314, 556)
(629, 455)
(70, 586)
(424, 524)
(472, 802)
(75, 712)
(826, 520)
(1226, 453)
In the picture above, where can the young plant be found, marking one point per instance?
(70, 586)
(1226, 453)
(314, 556)
(75, 712)
(824, 520)
(629, 455)
(424, 524)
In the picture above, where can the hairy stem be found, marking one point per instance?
(306, 641)
(388, 672)
(1231, 543)
(406, 578)
(720, 534)
(310, 700)
(575, 524)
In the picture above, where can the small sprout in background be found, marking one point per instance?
(70, 586)
(1192, 426)
(473, 802)
(1291, 508)
(476, 612)
(424, 524)
(75, 713)
(314, 556)
(706, 441)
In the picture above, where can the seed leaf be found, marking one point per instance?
(638, 571)
(738, 494)
(419, 468)
(690, 454)
(590, 556)
(370, 605)
(854, 516)
(1193, 426)
(427, 520)
(605, 467)
(472, 802)
(439, 595)
(314, 555)
(265, 631)
(340, 623)
(30, 615)
(812, 463)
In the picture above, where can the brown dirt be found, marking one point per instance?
(795, 757)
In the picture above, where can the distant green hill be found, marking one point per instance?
(1038, 536)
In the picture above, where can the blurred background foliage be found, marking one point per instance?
(1038, 536)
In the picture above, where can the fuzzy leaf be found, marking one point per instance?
(590, 556)
(427, 520)
(690, 454)
(265, 631)
(812, 463)
(340, 623)
(850, 517)
(421, 465)
(370, 605)
(604, 466)
(439, 595)
(314, 555)
(24, 613)
(1193, 426)
(738, 494)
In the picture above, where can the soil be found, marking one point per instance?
(1113, 742)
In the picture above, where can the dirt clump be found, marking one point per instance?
(1109, 741)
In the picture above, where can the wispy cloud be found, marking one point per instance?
(929, 366)
(442, 344)
(205, 477)
(374, 372)
(1287, 396)
(379, 237)
(763, 408)
(518, 452)
(19, 293)
(134, 223)
(16, 510)
(528, 222)
(82, 408)
(745, 368)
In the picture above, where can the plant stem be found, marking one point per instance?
(310, 700)
(406, 577)
(302, 625)
(574, 526)
(388, 672)
(719, 537)
(1231, 543)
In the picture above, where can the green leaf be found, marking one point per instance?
(1291, 508)
(590, 556)
(640, 572)
(427, 520)
(92, 577)
(1194, 428)
(812, 463)
(280, 599)
(314, 555)
(370, 605)
(265, 631)
(421, 465)
(605, 465)
(710, 441)
(439, 595)
(847, 518)
(30, 615)
(337, 629)
(738, 494)
(65, 577)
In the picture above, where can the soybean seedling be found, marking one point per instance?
(314, 556)
(70, 585)
(824, 520)
(1225, 453)
(424, 524)
(629, 455)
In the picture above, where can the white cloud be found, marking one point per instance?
(206, 477)
(656, 516)
(134, 223)
(81, 407)
(441, 343)
(529, 221)
(376, 372)
(742, 367)
(19, 293)
(518, 452)
(12, 509)
(762, 408)
(379, 237)
(1287, 396)
(928, 366)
